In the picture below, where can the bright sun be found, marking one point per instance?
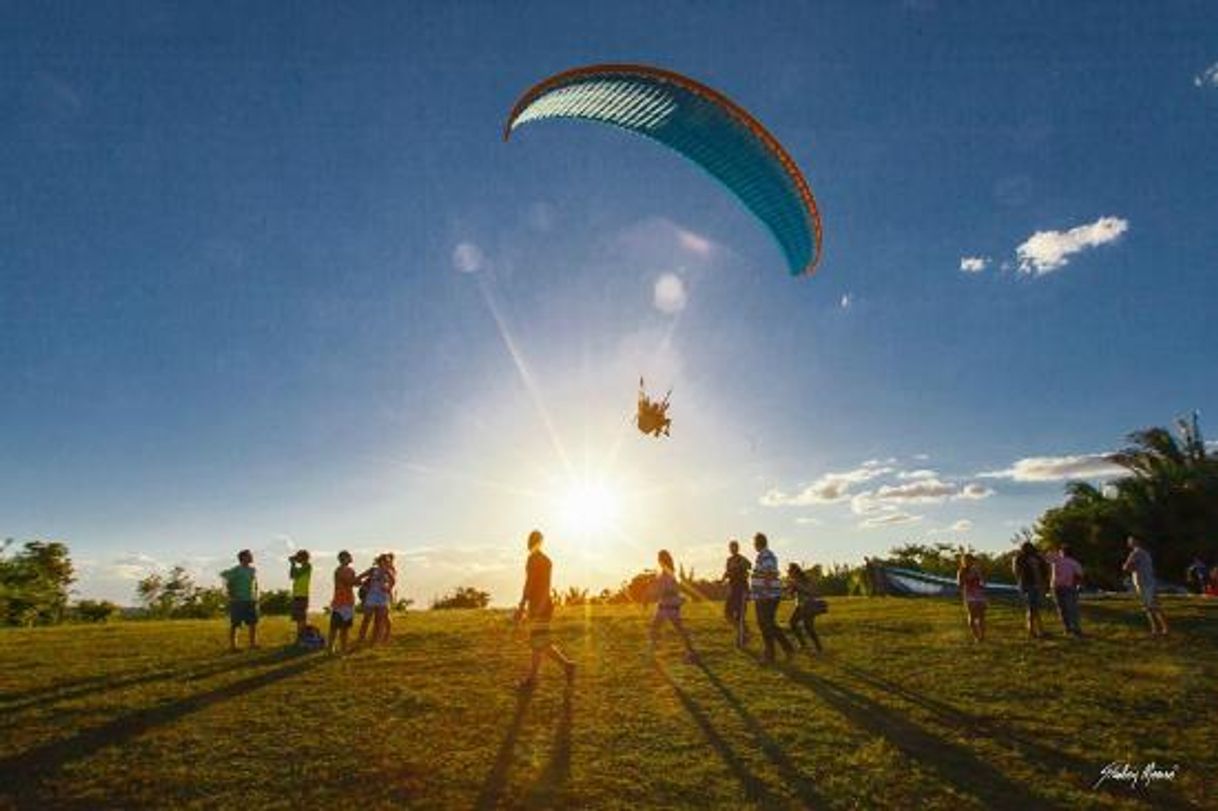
(589, 508)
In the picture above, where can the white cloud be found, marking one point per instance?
(963, 525)
(923, 490)
(974, 492)
(670, 295)
(828, 489)
(846, 300)
(1058, 468)
(1047, 251)
(468, 258)
(889, 519)
(921, 473)
(974, 264)
(1207, 77)
(809, 520)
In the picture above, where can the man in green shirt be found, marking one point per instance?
(300, 573)
(242, 584)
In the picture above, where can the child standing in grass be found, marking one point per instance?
(806, 603)
(342, 607)
(300, 572)
(241, 582)
(537, 605)
(667, 593)
(972, 587)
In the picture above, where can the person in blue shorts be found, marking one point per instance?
(241, 582)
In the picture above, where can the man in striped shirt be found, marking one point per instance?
(765, 589)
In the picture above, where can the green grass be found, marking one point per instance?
(902, 712)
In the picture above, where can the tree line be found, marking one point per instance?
(1168, 498)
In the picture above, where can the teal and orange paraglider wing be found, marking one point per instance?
(703, 125)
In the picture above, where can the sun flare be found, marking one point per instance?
(589, 508)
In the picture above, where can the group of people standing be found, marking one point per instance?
(1058, 572)
(759, 582)
(369, 593)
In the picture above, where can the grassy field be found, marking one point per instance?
(901, 712)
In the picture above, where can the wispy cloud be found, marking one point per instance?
(930, 490)
(1058, 468)
(973, 492)
(963, 525)
(828, 489)
(1047, 251)
(670, 295)
(1207, 77)
(889, 519)
(974, 264)
(920, 473)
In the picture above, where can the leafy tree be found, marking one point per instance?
(175, 595)
(1169, 499)
(276, 602)
(574, 596)
(462, 597)
(34, 583)
(94, 610)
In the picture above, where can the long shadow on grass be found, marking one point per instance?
(64, 691)
(773, 750)
(1036, 753)
(755, 789)
(951, 762)
(44, 761)
(1133, 617)
(496, 781)
(550, 786)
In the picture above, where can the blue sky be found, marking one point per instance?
(263, 270)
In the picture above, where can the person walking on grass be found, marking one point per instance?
(799, 584)
(391, 566)
(537, 607)
(667, 594)
(300, 573)
(241, 582)
(736, 573)
(342, 606)
(765, 588)
(1142, 567)
(972, 587)
(379, 580)
(1066, 578)
(1029, 568)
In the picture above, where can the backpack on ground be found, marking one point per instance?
(311, 638)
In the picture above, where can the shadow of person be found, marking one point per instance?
(81, 688)
(951, 762)
(44, 761)
(755, 790)
(1050, 759)
(496, 780)
(551, 785)
(774, 751)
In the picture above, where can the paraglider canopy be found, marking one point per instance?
(652, 416)
(702, 125)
